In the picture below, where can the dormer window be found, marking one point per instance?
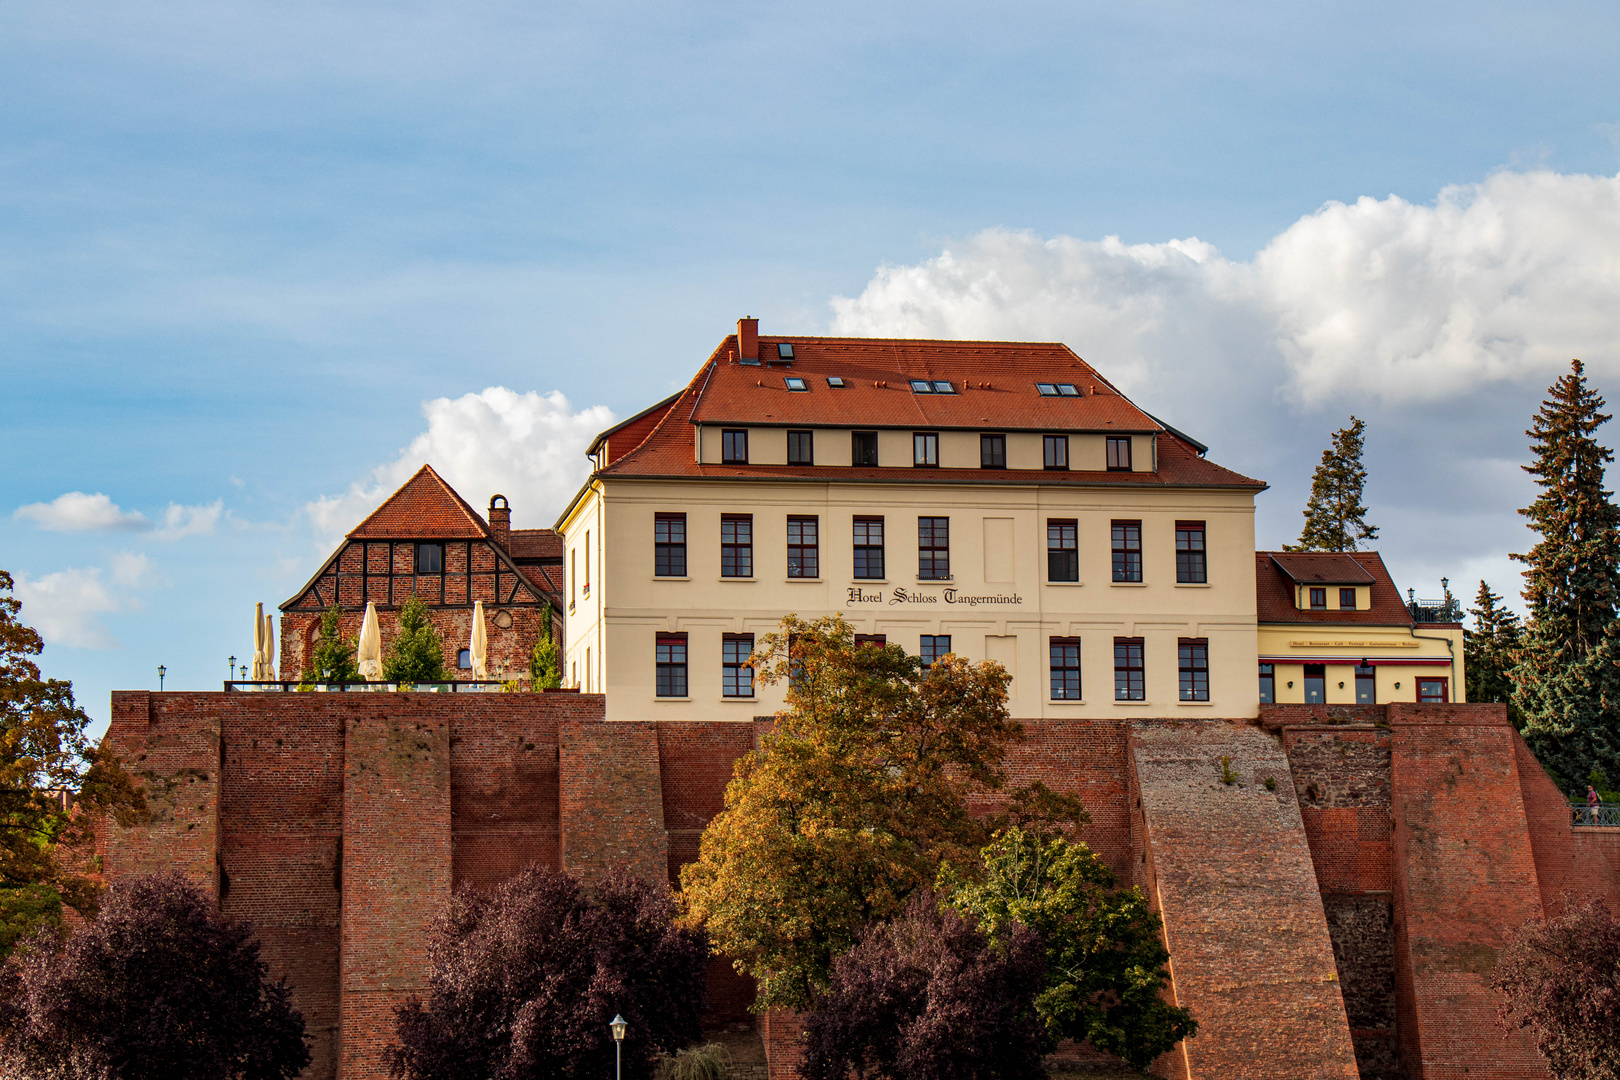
(1318, 599)
(1347, 599)
(796, 384)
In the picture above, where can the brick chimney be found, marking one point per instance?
(748, 339)
(500, 519)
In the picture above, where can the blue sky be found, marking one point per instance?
(243, 247)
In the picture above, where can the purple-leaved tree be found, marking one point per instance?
(158, 986)
(524, 980)
(1561, 980)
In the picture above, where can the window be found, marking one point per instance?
(1347, 599)
(1268, 684)
(934, 646)
(573, 575)
(429, 558)
(737, 545)
(1431, 691)
(734, 447)
(1056, 450)
(784, 351)
(1065, 669)
(464, 659)
(1046, 389)
(1119, 453)
(863, 448)
(1062, 550)
(835, 381)
(803, 548)
(669, 545)
(877, 641)
(587, 563)
(921, 386)
(1318, 599)
(671, 660)
(934, 548)
(869, 548)
(1065, 389)
(1315, 684)
(1127, 545)
(801, 448)
(1190, 566)
(943, 387)
(736, 677)
(992, 451)
(796, 384)
(1366, 685)
(1194, 654)
(925, 449)
(1129, 682)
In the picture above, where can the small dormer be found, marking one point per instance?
(1327, 581)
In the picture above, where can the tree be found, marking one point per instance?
(332, 658)
(545, 669)
(46, 839)
(1560, 979)
(1566, 683)
(525, 979)
(1105, 960)
(1335, 517)
(1490, 649)
(417, 652)
(928, 996)
(851, 804)
(158, 986)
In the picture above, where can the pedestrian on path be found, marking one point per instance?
(1592, 801)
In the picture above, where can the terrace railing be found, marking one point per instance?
(459, 686)
(1589, 814)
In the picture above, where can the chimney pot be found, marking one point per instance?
(500, 519)
(748, 339)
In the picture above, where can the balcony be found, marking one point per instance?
(1590, 815)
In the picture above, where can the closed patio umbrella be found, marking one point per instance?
(479, 645)
(370, 653)
(259, 646)
(270, 647)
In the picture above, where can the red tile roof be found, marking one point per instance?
(534, 544)
(626, 436)
(424, 508)
(995, 384)
(1274, 587)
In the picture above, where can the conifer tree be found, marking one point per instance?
(1567, 679)
(332, 658)
(417, 651)
(545, 670)
(1335, 517)
(1489, 650)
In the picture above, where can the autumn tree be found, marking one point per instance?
(158, 986)
(1490, 650)
(1106, 964)
(1335, 516)
(417, 652)
(524, 980)
(1566, 683)
(1560, 980)
(332, 658)
(929, 996)
(851, 805)
(54, 786)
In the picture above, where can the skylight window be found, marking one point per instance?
(835, 381)
(921, 386)
(784, 350)
(944, 388)
(1066, 389)
(1047, 389)
(795, 383)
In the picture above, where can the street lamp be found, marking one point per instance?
(162, 671)
(618, 1025)
(231, 670)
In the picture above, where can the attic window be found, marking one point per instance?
(944, 388)
(795, 383)
(921, 386)
(835, 381)
(1047, 389)
(1067, 390)
(784, 350)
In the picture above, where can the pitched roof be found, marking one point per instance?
(525, 544)
(425, 507)
(1274, 588)
(626, 435)
(1322, 568)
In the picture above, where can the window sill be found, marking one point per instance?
(1128, 584)
(656, 698)
(745, 700)
(870, 580)
(1196, 704)
(1192, 585)
(736, 579)
(669, 577)
(1065, 701)
(1133, 704)
(811, 580)
(935, 580)
(1067, 584)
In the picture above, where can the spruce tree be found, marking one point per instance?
(1489, 650)
(417, 652)
(332, 658)
(1335, 517)
(1567, 679)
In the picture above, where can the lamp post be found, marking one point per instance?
(162, 671)
(231, 669)
(618, 1025)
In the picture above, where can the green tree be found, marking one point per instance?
(1489, 650)
(332, 658)
(1335, 517)
(1105, 960)
(47, 846)
(545, 669)
(1566, 683)
(417, 652)
(851, 805)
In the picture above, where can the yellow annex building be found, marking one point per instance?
(997, 500)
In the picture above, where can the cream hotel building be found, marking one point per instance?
(997, 500)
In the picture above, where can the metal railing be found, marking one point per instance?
(1607, 813)
(461, 686)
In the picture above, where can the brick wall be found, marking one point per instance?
(611, 801)
(1560, 865)
(503, 791)
(1088, 759)
(508, 648)
(172, 748)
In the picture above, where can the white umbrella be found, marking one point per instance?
(370, 654)
(479, 646)
(259, 647)
(270, 647)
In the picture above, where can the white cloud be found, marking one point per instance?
(182, 521)
(77, 512)
(130, 569)
(65, 607)
(529, 447)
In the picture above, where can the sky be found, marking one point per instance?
(258, 261)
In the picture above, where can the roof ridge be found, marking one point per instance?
(473, 516)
